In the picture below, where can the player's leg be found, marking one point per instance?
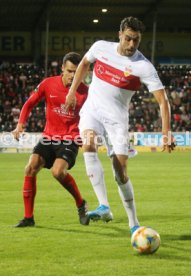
(96, 176)
(118, 149)
(90, 128)
(125, 189)
(35, 163)
(65, 159)
(59, 171)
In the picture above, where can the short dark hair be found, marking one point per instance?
(133, 23)
(73, 57)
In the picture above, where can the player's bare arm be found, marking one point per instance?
(78, 78)
(168, 139)
(18, 131)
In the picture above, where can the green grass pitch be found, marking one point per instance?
(59, 245)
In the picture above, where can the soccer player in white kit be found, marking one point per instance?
(119, 70)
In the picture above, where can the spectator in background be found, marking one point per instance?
(23, 79)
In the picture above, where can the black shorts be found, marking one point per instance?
(52, 149)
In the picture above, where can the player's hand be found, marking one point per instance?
(18, 131)
(169, 143)
(70, 102)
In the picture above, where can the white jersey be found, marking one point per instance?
(115, 80)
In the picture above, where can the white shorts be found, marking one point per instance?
(114, 134)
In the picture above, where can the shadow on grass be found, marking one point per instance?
(159, 255)
(173, 247)
(180, 237)
(107, 230)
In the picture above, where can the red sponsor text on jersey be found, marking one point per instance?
(116, 77)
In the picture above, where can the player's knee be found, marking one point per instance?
(123, 179)
(31, 169)
(120, 178)
(55, 173)
(89, 148)
(58, 174)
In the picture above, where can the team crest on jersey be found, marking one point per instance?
(127, 72)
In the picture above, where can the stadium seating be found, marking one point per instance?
(18, 80)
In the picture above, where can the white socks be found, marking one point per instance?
(127, 196)
(95, 173)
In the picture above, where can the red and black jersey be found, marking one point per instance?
(59, 124)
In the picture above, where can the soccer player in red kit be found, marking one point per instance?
(58, 147)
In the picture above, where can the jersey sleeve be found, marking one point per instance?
(34, 99)
(91, 55)
(151, 79)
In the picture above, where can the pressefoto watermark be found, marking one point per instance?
(138, 138)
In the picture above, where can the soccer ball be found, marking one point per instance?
(145, 240)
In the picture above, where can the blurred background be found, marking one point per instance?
(36, 34)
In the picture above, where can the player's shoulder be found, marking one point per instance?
(143, 67)
(143, 61)
(47, 83)
(140, 57)
(103, 44)
(52, 79)
(48, 80)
